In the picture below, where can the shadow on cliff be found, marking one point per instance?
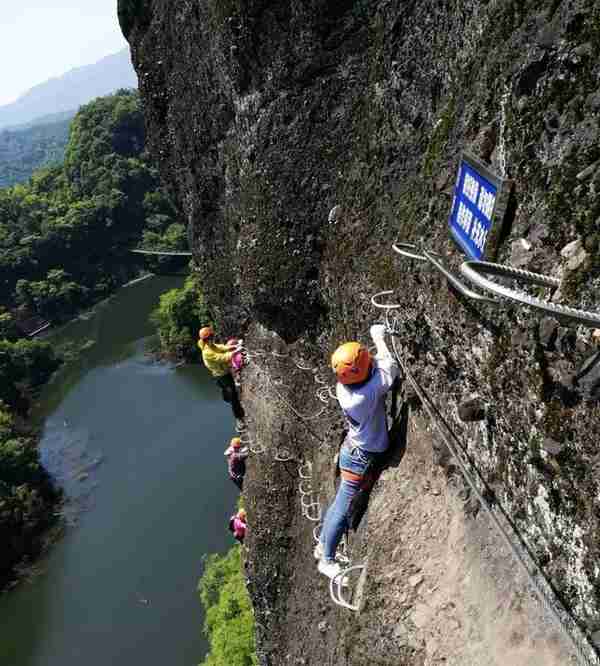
(398, 440)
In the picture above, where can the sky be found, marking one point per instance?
(41, 39)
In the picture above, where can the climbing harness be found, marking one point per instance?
(347, 475)
(585, 651)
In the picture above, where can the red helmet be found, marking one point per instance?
(205, 332)
(351, 363)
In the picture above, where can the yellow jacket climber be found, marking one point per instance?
(217, 358)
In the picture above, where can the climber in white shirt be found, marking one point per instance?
(363, 382)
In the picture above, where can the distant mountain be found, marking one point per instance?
(25, 149)
(71, 90)
(48, 119)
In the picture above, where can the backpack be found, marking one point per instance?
(231, 528)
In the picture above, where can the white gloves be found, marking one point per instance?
(377, 332)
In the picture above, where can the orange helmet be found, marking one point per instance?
(351, 363)
(236, 442)
(205, 332)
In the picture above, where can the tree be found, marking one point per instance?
(8, 328)
(229, 623)
(24, 366)
(51, 297)
(19, 462)
(179, 316)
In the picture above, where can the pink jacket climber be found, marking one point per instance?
(236, 461)
(238, 525)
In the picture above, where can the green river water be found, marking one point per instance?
(138, 448)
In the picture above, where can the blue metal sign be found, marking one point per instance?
(475, 197)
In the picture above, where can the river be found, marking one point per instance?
(138, 448)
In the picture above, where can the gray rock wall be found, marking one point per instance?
(266, 115)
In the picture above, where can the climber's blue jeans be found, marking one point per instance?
(336, 521)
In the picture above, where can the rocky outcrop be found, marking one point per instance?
(301, 140)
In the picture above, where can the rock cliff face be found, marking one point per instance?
(265, 116)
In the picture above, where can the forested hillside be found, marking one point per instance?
(65, 238)
(24, 150)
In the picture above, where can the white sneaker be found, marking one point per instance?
(318, 551)
(331, 569)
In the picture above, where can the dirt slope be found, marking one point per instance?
(442, 588)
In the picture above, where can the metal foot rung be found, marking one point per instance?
(336, 585)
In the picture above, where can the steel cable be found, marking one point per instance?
(476, 270)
